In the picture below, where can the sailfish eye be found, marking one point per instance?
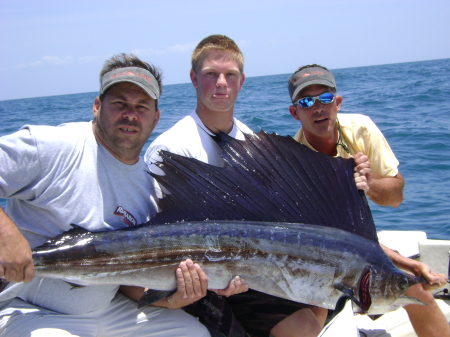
(403, 284)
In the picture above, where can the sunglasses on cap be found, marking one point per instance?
(307, 102)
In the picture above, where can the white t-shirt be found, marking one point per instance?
(190, 138)
(57, 176)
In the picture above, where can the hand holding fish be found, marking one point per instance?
(192, 285)
(16, 263)
(435, 280)
(384, 191)
(362, 166)
(236, 286)
(361, 182)
(363, 172)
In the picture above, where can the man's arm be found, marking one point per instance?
(435, 280)
(387, 191)
(16, 262)
(384, 191)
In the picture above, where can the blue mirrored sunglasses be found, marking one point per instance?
(307, 102)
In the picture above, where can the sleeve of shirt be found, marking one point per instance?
(382, 158)
(20, 167)
(152, 156)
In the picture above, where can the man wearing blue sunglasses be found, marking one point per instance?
(315, 104)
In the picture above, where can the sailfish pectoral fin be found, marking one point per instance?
(340, 304)
(394, 305)
(348, 293)
(152, 296)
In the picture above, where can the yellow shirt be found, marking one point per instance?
(360, 134)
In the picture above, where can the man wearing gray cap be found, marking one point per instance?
(315, 104)
(89, 174)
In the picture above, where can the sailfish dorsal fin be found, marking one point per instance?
(266, 177)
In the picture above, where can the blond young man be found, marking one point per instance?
(217, 74)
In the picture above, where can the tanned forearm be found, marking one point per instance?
(401, 261)
(16, 263)
(435, 280)
(386, 191)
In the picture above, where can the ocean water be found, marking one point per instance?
(410, 103)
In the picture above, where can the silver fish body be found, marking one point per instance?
(305, 263)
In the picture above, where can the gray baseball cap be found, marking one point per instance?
(309, 76)
(136, 75)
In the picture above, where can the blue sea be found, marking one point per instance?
(410, 103)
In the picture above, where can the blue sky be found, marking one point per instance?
(58, 47)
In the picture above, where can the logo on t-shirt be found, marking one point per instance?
(128, 218)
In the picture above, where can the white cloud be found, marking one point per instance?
(175, 49)
(58, 60)
(243, 43)
(147, 52)
(24, 65)
(55, 60)
(88, 59)
(182, 48)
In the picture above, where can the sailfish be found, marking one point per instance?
(296, 197)
(287, 219)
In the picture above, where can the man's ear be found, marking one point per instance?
(193, 76)
(242, 81)
(157, 116)
(339, 100)
(293, 112)
(96, 106)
